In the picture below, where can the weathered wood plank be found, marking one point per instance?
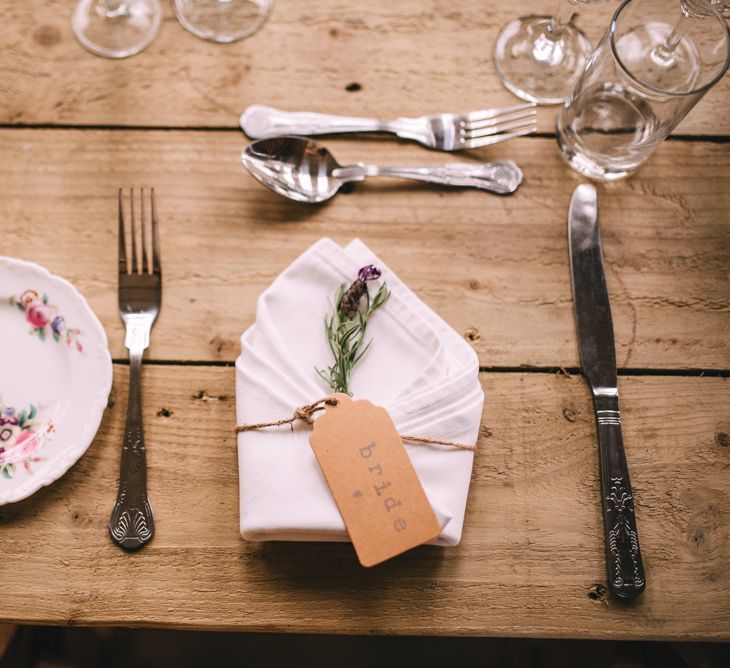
(495, 268)
(408, 57)
(531, 555)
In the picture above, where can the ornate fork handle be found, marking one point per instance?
(131, 524)
(500, 176)
(623, 555)
(259, 122)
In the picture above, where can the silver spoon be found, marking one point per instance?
(304, 171)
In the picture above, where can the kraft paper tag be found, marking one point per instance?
(372, 480)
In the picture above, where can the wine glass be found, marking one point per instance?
(722, 6)
(116, 28)
(222, 20)
(666, 54)
(654, 64)
(540, 58)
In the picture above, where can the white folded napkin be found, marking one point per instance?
(418, 368)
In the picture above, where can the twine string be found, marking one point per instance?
(306, 414)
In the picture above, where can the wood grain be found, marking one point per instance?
(530, 563)
(406, 58)
(496, 268)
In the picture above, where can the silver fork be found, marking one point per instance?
(443, 132)
(140, 295)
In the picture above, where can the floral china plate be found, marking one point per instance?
(55, 377)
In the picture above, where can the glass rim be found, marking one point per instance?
(702, 89)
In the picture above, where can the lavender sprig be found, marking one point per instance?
(345, 328)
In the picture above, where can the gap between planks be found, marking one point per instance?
(714, 139)
(567, 371)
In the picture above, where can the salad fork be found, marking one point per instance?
(442, 132)
(140, 295)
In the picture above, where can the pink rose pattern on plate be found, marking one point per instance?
(21, 434)
(21, 439)
(45, 319)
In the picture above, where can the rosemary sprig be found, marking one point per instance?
(345, 328)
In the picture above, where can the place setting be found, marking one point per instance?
(358, 407)
(650, 68)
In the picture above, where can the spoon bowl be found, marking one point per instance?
(294, 167)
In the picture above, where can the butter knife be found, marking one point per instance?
(598, 360)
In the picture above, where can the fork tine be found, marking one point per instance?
(134, 231)
(156, 266)
(495, 139)
(145, 266)
(499, 129)
(489, 122)
(484, 114)
(122, 241)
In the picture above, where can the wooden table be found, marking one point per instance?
(76, 127)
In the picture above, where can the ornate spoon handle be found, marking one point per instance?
(500, 176)
(131, 524)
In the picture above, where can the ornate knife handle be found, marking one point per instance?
(623, 555)
(131, 524)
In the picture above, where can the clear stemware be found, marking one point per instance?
(722, 6)
(116, 28)
(666, 53)
(655, 62)
(540, 58)
(222, 20)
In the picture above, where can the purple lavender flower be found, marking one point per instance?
(350, 303)
(58, 324)
(369, 273)
(9, 410)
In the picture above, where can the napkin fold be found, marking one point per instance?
(418, 368)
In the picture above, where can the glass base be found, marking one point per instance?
(222, 20)
(593, 169)
(116, 29)
(536, 65)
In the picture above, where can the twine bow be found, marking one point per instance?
(304, 413)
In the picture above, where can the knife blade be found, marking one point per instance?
(598, 361)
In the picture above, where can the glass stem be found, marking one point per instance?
(111, 8)
(665, 52)
(561, 18)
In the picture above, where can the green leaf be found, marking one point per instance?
(22, 418)
(41, 333)
(20, 306)
(8, 470)
(45, 298)
(345, 334)
(362, 352)
(56, 337)
(33, 412)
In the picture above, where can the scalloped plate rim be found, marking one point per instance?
(77, 446)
